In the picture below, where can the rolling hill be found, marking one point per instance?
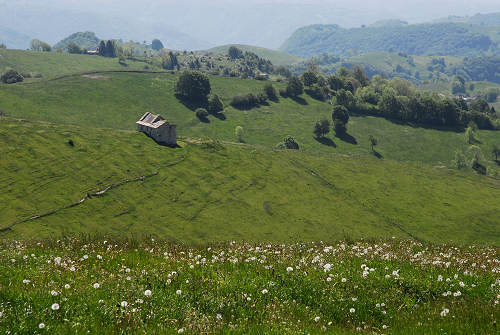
(210, 191)
(276, 57)
(13, 39)
(445, 39)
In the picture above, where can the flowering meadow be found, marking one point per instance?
(78, 286)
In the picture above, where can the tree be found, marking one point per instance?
(235, 53)
(270, 91)
(321, 128)
(309, 78)
(359, 74)
(169, 61)
(294, 87)
(110, 49)
(37, 45)
(101, 49)
(342, 72)
(73, 48)
(335, 82)
(238, 132)
(11, 76)
(3, 46)
(496, 151)
(193, 86)
(470, 135)
(346, 99)
(157, 45)
(215, 104)
(480, 105)
(340, 117)
(373, 142)
(460, 160)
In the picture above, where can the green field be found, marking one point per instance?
(276, 57)
(54, 64)
(114, 287)
(120, 99)
(220, 192)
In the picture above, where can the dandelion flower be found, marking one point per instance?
(344, 280)
(352, 310)
(180, 331)
(96, 285)
(26, 281)
(55, 306)
(41, 325)
(178, 292)
(147, 293)
(124, 303)
(289, 269)
(219, 317)
(67, 286)
(316, 319)
(72, 269)
(53, 293)
(444, 312)
(264, 291)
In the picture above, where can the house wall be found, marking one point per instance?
(166, 134)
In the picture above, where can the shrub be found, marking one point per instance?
(290, 143)
(321, 128)
(340, 117)
(201, 113)
(270, 91)
(294, 87)
(193, 86)
(215, 104)
(248, 100)
(283, 93)
(460, 160)
(11, 76)
(238, 132)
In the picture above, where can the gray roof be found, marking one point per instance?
(152, 120)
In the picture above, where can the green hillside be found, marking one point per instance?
(450, 39)
(54, 64)
(218, 192)
(119, 99)
(276, 57)
(87, 40)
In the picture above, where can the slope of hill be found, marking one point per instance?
(87, 40)
(489, 19)
(221, 191)
(54, 64)
(423, 39)
(117, 100)
(13, 39)
(276, 57)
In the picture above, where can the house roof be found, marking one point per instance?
(152, 120)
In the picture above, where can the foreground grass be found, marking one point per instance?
(121, 98)
(385, 287)
(210, 191)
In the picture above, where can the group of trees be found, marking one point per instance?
(37, 45)
(108, 49)
(250, 100)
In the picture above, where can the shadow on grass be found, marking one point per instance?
(299, 100)
(192, 105)
(455, 129)
(203, 119)
(347, 138)
(220, 116)
(377, 154)
(326, 141)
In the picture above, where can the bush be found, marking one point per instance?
(193, 86)
(290, 143)
(248, 100)
(201, 113)
(270, 91)
(11, 76)
(283, 93)
(238, 132)
(294, 87)
(340, 117)
(215, 104)
(321, 128)
(235, 53)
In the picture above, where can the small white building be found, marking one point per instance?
(158, 129)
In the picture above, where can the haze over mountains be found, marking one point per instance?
(202, 24)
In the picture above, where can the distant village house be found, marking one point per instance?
(158, 129)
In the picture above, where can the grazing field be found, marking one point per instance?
(119, 99)
(115, 287)
(220, 191)
(54, 64)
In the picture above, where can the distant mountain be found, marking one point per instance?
(446, 39)
(14, 39)
(388, 23)
(491, 19)
(87, 40)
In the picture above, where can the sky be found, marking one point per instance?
(195, 24)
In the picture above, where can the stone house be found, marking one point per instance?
(158, 129)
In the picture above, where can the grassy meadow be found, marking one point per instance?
(212, 191)
(116, 287)
(118, 100)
